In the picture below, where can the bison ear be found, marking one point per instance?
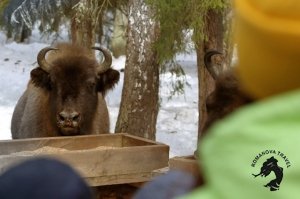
(107, 80)
(40, 78)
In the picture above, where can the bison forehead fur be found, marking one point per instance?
(226, 98)
(67, 98)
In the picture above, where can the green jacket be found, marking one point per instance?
(264, 136)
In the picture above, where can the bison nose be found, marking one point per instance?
(67, 118)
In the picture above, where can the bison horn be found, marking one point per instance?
(208, 64)
(41, 59)
(107, 60)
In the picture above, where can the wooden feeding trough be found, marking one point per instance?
(185, 163)
(101, 159)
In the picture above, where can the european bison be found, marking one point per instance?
(227, 95)
(65, 94)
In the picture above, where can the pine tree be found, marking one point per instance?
(86, 17)
(214, 31)
(22, 15)
(205, 18)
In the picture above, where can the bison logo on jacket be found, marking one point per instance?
(270, 165)
(65, 94)
(271, 162)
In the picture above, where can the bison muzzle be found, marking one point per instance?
(65, 94)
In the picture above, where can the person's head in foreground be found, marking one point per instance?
(43, 178)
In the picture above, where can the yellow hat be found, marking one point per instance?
(268, 38)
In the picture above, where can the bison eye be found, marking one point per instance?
(52, 85)
(91, 85)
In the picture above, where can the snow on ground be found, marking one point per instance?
(177, 120)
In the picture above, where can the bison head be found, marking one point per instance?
(227, 95)
(73, 80)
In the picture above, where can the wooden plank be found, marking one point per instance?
(132, 140)
(185, 163)
(119, 179)
(74, 142)
(67, 142)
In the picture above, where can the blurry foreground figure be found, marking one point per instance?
(43, 179)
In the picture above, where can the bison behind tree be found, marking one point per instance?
(65, 94)
(227, 95)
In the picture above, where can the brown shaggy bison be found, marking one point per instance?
(227, 95)
(65, 94)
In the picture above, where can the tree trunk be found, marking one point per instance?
(228, 37)
(82, 31)
(139, 104)
(118, 42)
(214, 31)
(84, 21)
